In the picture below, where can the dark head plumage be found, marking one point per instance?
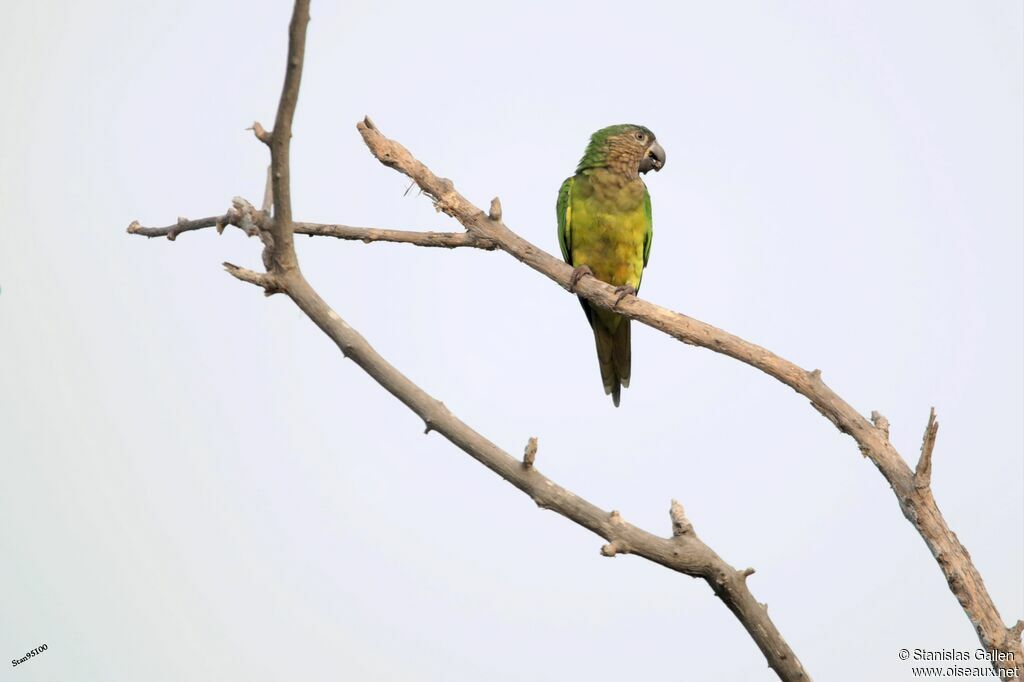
(627, 148)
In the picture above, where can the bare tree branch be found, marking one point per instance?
(683, 552)
(446, 240)
(280, 252)
(367, 235)
(916, 501)
(183, 225)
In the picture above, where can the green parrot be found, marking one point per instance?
(605, 230)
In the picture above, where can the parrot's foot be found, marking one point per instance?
(579, 273)
(622, 292)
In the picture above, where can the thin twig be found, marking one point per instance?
(367, 235)
(267, 281)
(261, 134)
(446, 240)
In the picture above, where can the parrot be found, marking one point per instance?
(605, 231)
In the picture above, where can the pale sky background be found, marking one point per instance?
(197, 486)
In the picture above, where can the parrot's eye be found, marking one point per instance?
(640, 136)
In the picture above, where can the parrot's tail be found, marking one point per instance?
(613, 352)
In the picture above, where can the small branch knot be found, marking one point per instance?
(530, 453)
(178, 227)
(495, 213)
(611, 549)
(261, 134)
(680, 524)
(615, 517)
(923, 472)
(1016, 631)
(880, 422)
(244, 215)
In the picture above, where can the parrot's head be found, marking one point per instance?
(628, 148)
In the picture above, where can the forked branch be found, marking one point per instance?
(682, 552)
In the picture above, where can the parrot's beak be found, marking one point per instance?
(654, 159)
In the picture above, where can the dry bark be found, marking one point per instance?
(367, 235)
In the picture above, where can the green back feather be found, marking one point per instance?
(564, 219)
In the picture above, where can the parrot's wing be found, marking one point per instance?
(649, 233)
(564, 210)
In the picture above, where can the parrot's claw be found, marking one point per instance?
(622, 292)
(577, 274)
